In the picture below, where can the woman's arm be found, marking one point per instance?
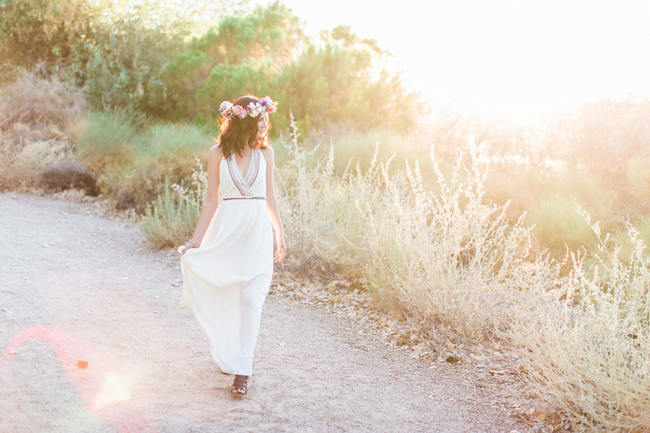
(272, 203)
(210, 202)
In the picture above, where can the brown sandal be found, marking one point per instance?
(239, 385)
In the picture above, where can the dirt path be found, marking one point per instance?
(75, 286)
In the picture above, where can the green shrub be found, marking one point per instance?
(333, 85)
(558, 225)
(106, 138)
(138, 184)
(228, 81)
(50, 31)
(379, 143)
(524, 186)
(161, 138)
(173, 216)
(638, 180)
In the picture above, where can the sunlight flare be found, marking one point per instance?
(114, 389)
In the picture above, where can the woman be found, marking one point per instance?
(227, 265)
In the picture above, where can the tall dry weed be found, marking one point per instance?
(35, 112)
(448, 254)
(323, 223)
(35, 98)
(586, 344)
(34, 157)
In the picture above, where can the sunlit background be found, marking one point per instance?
(521, 58)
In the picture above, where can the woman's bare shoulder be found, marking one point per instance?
(215, 150)
(268, 153)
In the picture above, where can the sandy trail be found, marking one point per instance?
(97, 292)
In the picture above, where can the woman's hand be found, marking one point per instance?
(189, 244)
(281, 249)
(184, 248)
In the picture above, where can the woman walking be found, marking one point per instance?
(227, 265)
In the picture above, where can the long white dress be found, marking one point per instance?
(227, 278)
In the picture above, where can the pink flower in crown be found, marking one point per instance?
(225, 108)
(239, 111)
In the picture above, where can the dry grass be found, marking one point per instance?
(322, 224)
(170, 220)
(450, 256)
(34, 98)
(446, 254)
(31, 159)
(36, 112)
(586, 344)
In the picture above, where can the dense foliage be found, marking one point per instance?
(127, 61)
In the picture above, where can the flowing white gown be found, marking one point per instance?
(227, 278)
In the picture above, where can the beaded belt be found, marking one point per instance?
(237, 198)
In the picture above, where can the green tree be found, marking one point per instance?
(242, 54)
(125, 66)
(333, 84)
(50, 31)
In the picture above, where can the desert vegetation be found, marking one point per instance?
(533, 239)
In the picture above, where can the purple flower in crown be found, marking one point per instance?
(268, 104)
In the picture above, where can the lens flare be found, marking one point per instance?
(113, 390)
(82, 364)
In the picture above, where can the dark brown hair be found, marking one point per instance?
(236, 134)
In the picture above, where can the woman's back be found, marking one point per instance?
(234, 184)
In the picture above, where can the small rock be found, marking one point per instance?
(452, 359)
(65, 174)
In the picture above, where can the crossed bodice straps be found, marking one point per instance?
(245, 186)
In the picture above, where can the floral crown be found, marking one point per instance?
(254, 109)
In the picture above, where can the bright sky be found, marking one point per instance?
(521, 58)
